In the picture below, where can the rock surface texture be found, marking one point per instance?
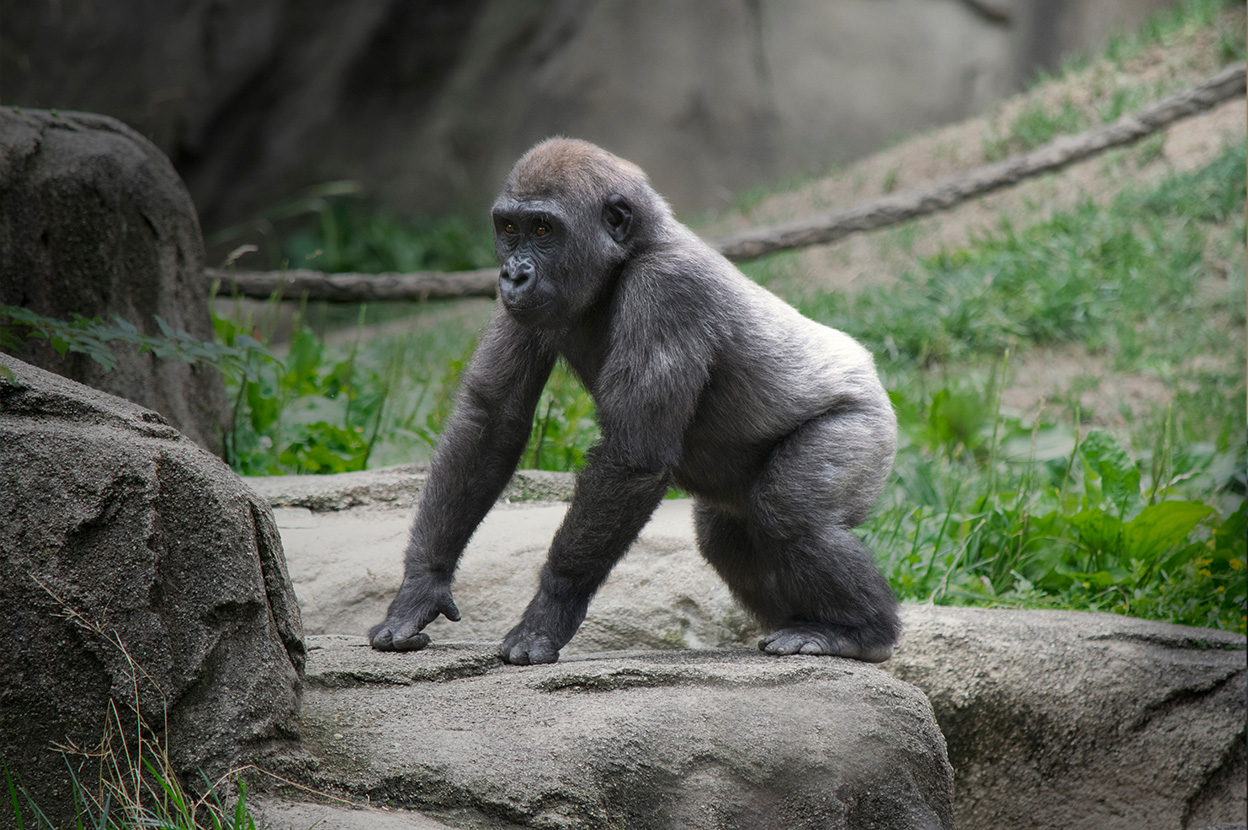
(427, 106)
(347, 565)
(1053, 719)
(139, 572)
(94, 221)
(695, 739)
(1083, 721)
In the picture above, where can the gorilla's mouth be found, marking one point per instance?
(523, 311)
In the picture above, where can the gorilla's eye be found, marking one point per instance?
(541, 230)
(509, 229)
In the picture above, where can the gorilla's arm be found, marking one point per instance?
(476, 456)
(647, 395)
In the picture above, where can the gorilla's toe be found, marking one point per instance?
(813, 638)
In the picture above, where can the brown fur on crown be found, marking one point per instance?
(569, 165)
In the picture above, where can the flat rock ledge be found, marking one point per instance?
(696, 739)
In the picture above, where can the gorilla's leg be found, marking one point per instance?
(793, 562)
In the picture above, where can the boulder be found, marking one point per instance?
(139, 573)
(1083, 721)
(694, 739)
(94, 221)
(1054, 719)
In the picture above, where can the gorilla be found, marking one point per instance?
(777, 426)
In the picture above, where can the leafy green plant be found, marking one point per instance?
(279, 423)
(96, 338)
(564, 428)
(1087, 529)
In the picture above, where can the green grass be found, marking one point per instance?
(1182, 19)
(997, 508)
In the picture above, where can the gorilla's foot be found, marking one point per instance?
(817, 638)
(523, 647)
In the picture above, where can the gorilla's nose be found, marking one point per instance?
(517, 271)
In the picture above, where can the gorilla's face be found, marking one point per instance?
(532, 244)
(553, 261)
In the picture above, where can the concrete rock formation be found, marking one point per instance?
(427, 106)
(94, 221)
(141, 573)
(705, 739)
(1053, 719)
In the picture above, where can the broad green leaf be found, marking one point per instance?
(1161, 526)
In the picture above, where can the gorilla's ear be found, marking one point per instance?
(618, 217)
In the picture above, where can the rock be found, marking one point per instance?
(277, 813)
(139, 572)
(428, 106)
(94, 221)
(346, 566)
(1054, 719)
(399, 486)
(1077, 720)
(695, 739)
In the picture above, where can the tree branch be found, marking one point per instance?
(358, 288)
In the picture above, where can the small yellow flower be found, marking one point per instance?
(1204, 572)
(1236, 564)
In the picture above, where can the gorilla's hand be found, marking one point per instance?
(523, 646)
(419, 602)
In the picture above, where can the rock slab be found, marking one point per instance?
(695, 739)
(1054, 719)
(139, 573)
(94, 221)
(1083, 721)
(346, 566)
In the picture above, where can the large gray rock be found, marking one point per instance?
(428, 105)
(94, 221)
(1083, 721)
(139, 572)
(1054, 719)
(694, 739)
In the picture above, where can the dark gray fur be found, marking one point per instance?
(776, 425)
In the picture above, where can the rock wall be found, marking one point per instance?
(428, 105)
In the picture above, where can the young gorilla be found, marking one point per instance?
(777, 426)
